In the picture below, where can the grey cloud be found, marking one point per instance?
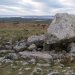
(51, 3)
(9, 2)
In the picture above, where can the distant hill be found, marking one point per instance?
(38, 17)
(9, 18)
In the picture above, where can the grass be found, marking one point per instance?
(18, 34)
(7, 69)
(14, 67)
(21, 30)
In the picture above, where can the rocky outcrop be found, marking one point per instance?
(61, 30)
(40, 55)
(31, 43)
(20, 45)
(38, 40)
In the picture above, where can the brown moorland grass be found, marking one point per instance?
(24, 25)
(21, 30)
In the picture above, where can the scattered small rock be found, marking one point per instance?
(32, 47)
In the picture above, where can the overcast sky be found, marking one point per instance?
(36, 7)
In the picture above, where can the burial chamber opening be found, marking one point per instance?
(59, 46)
(56, 47)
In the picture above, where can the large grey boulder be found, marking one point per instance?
(39, 55)
(38, 40)
(61, 30)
